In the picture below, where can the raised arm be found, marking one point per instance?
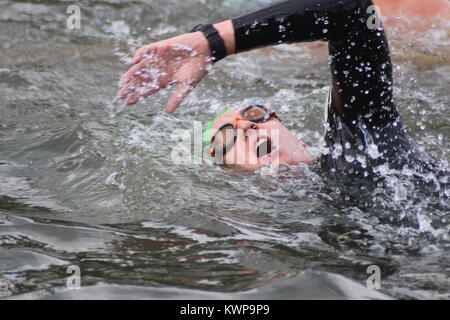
(361, 69)
(360, 62)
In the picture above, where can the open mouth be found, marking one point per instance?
(264, 147)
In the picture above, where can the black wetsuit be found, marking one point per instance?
(365, 129)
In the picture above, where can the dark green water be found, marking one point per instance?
(85, 182)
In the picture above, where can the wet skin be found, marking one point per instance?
(284, 148)
(184, 61)
(186, 67)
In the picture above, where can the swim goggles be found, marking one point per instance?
(223, 140)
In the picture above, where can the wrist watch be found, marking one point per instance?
(215, 41)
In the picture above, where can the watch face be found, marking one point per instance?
(256, 113)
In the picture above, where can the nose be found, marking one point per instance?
(245, 125)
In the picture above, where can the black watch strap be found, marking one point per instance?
(215, 41)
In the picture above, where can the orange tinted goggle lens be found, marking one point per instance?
(256, 113)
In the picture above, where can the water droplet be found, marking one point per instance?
(349, 158)
(337, 151)
(372, 151)
(361, 159)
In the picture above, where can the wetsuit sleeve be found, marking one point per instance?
(361, 111)
(360, 62)
(362, 120)
(297, 21)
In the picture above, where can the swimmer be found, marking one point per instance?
(363, 127)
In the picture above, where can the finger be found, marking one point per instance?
(132, 98)
(245, 125)
(147, 82)
(177, 96)
(133, 71)
(144, 82)
(143, 91)
(142, 52)
(128, 88)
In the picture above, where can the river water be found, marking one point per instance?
(88, 183)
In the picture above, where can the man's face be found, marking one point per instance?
(258, 144)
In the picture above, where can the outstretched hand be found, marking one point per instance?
(182, 61)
